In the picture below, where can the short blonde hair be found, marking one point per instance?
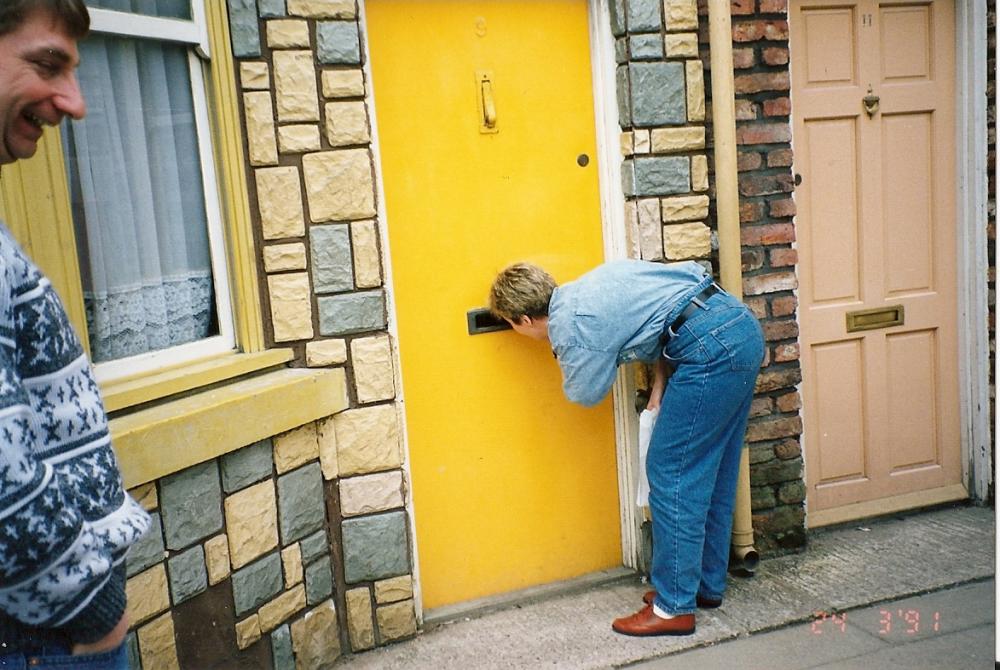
(520, 290)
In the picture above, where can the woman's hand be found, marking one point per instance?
(659, 383)
(109, 642)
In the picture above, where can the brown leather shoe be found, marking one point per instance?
(645, 623)
(704, 603)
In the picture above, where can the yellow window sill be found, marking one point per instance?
(177, 434)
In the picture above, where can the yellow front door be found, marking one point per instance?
(873, 93)
(486, 129)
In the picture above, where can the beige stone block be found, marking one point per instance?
(394, 589)
(367, 262)
(260, 128)
(251, 522)
(359, 619)
(284, 257)
(291, 306)
(247, 631)
(157, 647)
(296, 447)
(217, 559)
(371, 493)
(315, 638)
(687, 240)
(323, 9)
(642, 141)
(291, 563)
(650, 234)
(326, 352)
(147, 594)
(681, 45)
(146, 496)
(367, 440)
(272, 614)
(668, 140)
(632, 247)
(255, 76)
(342, 83)
(681, 14)
(346, 123)
(295, 86)
(279, 196)
(625, 141)
(298, 138)
(372, 361)
(287, 33)
(396, 621)
(699, 173)
(695, 77)
(685, 208)
(328, 448)
(339, 185)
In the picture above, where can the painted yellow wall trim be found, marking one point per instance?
(155, 442)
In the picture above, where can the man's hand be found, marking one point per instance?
(107, 643)
(660, 373)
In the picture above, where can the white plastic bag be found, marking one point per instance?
(647, 419)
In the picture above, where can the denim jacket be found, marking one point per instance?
(615, 314)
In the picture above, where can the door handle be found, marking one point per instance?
(486, 102)
(870, 319)
(870, 102)
(482, 321)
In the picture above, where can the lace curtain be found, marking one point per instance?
(138, 200)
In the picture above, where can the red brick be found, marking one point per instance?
(770, 430)
(759, 82)
(790, 402)
(782, 208)
(747, 31)
(784, 305)
(776, 30)
(786, 352)
(758, 306)
(751, 211)
(753, 259)
(767, 358)
(746, 110)
(775, 55)
(770, 283)
(744, 58)
(773, 6)
(761, 407)
(748, 160)
(781, 258)
(780, 330)
(787, 449)
(779, 158)
(772, 233)
(742, 7)
(763, 133)
(756, 184)
(777, 107)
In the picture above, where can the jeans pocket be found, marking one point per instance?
(743, 341)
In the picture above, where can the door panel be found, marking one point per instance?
(512, 485)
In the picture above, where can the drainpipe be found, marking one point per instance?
(744, 556)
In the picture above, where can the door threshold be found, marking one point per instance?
(480, 606)
(882, 506)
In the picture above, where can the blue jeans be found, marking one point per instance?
(57, 657)
(694, 454)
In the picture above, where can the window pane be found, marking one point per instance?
(171, 9)
(138, 199)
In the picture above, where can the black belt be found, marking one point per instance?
(692, 307)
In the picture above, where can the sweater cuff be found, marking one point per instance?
(102, 614)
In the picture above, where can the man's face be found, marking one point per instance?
(38, 84)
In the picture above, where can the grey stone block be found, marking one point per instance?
(256, 583)
(314, 545)
(148, 550)
(332, 266)
(132, 649)
(301, 505)
(270, 9)
(624, 96)
(621, 50)
(656, 175)
(351, 312)
(187, 573)
(243, 467)
(646, 47)
(191, 504)
(658, 94)
(337, 42)
(243, 28)
(644, 15)
(319, 580)
(281, 648)
(617, 10)
(376, 547)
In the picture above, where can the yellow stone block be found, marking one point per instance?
(681, 45)
(625, 143)
(255, 76)
(291, 306)
(346, 123)
(328, 449)
(247, 631)
(682, 241)
(359, 619)
(272, 614)
(260, 128)
(681, 14)
(322, 9)
(699, 173)
(279, 197)
(283, 257)
(373, 372)
(342, 83)
(642, 141)
(315, 638)
(394, 589)
(287, 33)
(296, 447)
(695, 77)
(367, 440)
(397, 621)
(685, 208)
(669, 140)
(291, 563)
(650, 234)
(339, 185)
(298, 138)
(217, 559)
(146, 496)
(251, 522)
(367, 263)
(147, 594)
(371, 493)
(295, 86)
(322, 353)
(157, 647)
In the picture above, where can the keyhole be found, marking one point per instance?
(582, 160)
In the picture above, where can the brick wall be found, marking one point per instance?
(991, 220)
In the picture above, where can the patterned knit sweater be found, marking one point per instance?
(65, 520)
